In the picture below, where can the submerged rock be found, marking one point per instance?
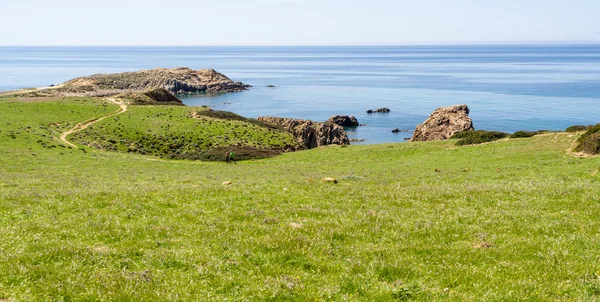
(443, 123)
(310, 134)
(343, 120)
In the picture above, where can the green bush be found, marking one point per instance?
(589, 142)
(462, 134)
(478, 137)
(591, 145)
(591, 130)
(578, 128)
(523, 134)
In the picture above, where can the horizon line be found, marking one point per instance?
(500, 43)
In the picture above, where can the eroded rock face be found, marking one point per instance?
(155, 96)
(443, 123)
(310, 134)
(343, 120)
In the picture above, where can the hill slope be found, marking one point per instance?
(509, 220)
(178, 132)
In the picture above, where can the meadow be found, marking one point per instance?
(514, 219)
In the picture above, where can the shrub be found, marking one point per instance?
(591, 145)
(462, 134)
(578, 128)
(523, 134)
(589, 142)
(478, 137)
(590, 130)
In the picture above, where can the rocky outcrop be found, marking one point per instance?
(310, 134)
(155, 96)
(380, 110)
(343, 120)
(176, 80)
(443, 123)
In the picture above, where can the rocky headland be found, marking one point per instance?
(310, 134)
(443, 123)
(178, 80)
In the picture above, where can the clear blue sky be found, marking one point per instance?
(297, 22)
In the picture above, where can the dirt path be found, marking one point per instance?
(83, 125)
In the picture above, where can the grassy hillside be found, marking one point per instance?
(508, 220)
(173, 132)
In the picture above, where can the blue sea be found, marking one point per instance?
(507, 87)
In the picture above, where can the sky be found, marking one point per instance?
(297, 22)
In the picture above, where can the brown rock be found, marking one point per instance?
(310, 134)
(343, 120)
(443, 123)
(329, 180)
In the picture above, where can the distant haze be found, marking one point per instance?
(297, 22)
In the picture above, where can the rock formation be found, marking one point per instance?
(380, 110)
(310, 134)
(343, 120)
(151, 97)
(175, 80)
(443, 123)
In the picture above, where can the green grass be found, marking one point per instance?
(171, 132)
(510, 220)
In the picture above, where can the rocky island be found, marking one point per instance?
(178, 80)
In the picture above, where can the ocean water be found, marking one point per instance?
(507, 87)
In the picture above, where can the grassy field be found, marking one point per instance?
(510, 220)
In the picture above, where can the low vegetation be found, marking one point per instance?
(478, 137)
(525, 134)
(589, 142)
(516, 220)
(578, 128)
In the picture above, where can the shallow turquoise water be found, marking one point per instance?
(508, 88)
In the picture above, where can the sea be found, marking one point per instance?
(507, 87)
